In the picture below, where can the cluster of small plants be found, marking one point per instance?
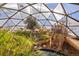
(21, 42)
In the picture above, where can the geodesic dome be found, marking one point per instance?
(12, 15)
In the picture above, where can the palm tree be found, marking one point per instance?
(31, 22)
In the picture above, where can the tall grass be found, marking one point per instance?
(12, 44)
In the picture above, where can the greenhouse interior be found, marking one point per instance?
(39, 29)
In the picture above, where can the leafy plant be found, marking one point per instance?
(31, 22)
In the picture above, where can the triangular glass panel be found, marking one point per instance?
(70, 7)
(75, 30)
(17, 16)
(52, 6)
(11, 5)
(23, 15)
(43, 8)
(15, 21)
(9, 23)
(39, 16)
(75, 15)
(9, 12)
(52, 18)
(47, 23)
(59, 9)
(70, 32)
(28, 10)
(42, 21)
(38, 21)
(21, 23)
(2, 22)
(46, 14)
(64, 21)
(2, 15)
(58, 16)
(21, 5)
(72, 22)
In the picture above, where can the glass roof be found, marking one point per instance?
(47, 14)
